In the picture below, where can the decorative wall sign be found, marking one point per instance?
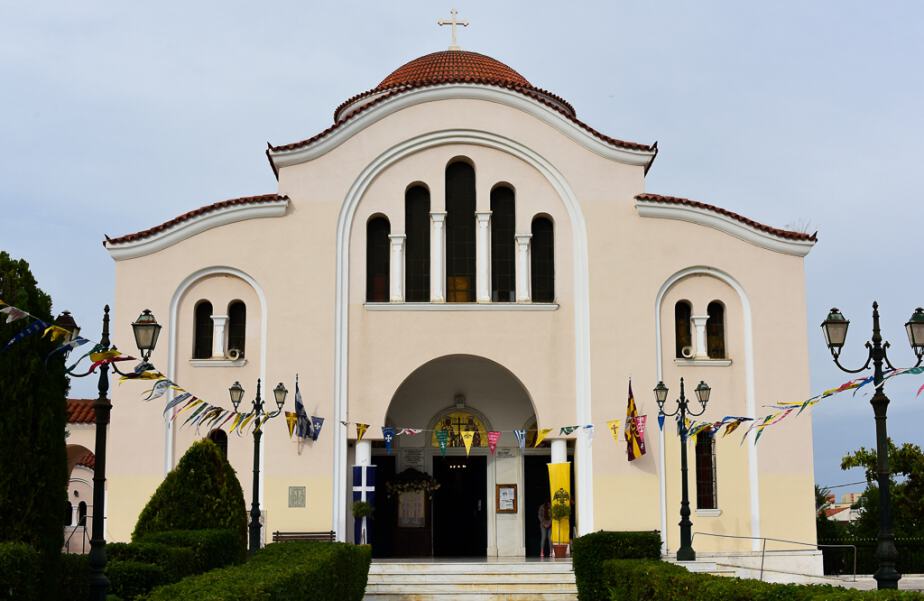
(297, 496)
(505, 498)
(411, 509)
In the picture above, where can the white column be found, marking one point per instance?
(219, 324)
(699, 332)
(559, 451)
(437, 246)
(523, 295)
(483, 257)
(396, 268)
(364, 452)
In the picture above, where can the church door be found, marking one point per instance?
(460, 525)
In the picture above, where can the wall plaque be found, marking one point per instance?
(411, 509)
(297, 496)
(505, 498)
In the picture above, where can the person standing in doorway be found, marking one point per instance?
(545, 527)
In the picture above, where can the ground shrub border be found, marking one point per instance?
(591, 550)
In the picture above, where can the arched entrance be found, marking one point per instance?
(452, 395)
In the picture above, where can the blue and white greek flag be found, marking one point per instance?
(363, 490)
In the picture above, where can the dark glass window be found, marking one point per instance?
(715, 330)
(377, 231)
(237, 326)
(417, 244)
(503, 245)
(82, 513)
(682, 331)
(705, 472)
(219, 437)
(542, 258)
(460, 233)
(202, 345)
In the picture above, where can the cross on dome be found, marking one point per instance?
(453, 22)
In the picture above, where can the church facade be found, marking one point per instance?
(459, 251)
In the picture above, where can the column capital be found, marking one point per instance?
(523, 239)
(397, 238)
(483, 216)
(437, 216)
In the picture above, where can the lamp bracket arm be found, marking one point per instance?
(885, 355)
(115, 368)
(70, 372)
(665, 414)
(694, 414)
(869, 359)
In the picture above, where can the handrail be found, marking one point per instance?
(764, 540)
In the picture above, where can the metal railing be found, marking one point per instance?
(84, 539)
(763, 548)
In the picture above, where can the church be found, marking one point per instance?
(460, 252)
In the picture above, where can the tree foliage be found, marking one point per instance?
(33, 461)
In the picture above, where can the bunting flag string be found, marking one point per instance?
(521, 438)
(361, 431)
(467, 437)
(493, 438)
(540, 436)
(442, 440)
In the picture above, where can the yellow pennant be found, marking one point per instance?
(291, 419)
(246, 421)
(147, 375)
(189, 406)
(361, 431)
(467, 437)
(102, 356)
(236, 422)
(540, 436)
(613, 426)
(2, 303)
(55, 332)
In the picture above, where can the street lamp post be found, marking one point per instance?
(835, 330)
(685, 552)
(259, 417)
(146, 330)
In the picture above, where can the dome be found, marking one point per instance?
(453, 66)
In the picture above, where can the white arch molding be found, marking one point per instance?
(583, 451)
(186, 284)
(750, 394)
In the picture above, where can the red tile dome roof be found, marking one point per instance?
(453, 66)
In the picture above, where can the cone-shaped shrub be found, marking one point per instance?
(202, 492)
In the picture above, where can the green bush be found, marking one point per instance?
(19, 571)
(211, 549)
(75, 574)
(591, 550)
(646, 580)
(201, 493)
(177, 562)
(131, 579)
(283, 572)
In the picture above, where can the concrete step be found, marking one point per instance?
(455, 578)
(524, 595)
(531, 567)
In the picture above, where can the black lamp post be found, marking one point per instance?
(146, 330)
(835, 329)
(685, 552)
(237, 394)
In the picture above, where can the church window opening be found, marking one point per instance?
(68, 513)
(715, 330)
(237, 326)
(454, 423)
(82, 513)
(542, 260)
(460, 232)
(202, 344)
(503, 232)
(417, 244)
(682, 330)
(705, 472)
(377, 243)
(220, 438)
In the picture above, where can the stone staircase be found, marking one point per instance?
(496, 579)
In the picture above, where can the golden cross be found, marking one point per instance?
(453, 22)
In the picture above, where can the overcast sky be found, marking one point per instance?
(116, 116)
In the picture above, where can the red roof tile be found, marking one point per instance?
(80, 411)
(245, 200)
(452, 65)
(88, 460)
(787, 234)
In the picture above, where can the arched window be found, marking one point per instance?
(219, 437)
(715, 330)
(68, 513)
(542, 260)
(417, 244)
(377, 230)
(706, 486)
(682, 329)
(237, 326)
(503, 231)
(202, 345)
(460, 233)
(82, 513)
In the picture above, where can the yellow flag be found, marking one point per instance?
(560, 490)
(246, 421)
(189, 406)
(467, 437)
(361, 431)
(55, 332)
(237, 420)
(291, 418)
(540, 436)
(102, 356)
(613, 426)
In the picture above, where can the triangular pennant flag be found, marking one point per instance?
(237, 421)
(493, 437)
(442, 439)
(467, 437)
(291, 418)
(920, 390)
(246, 421)
(67, 347)
(388, 433)
(408, 431)
(33, 328)
(613, 427)
(54, 332)
(661, 417)
(13, 314)
(202, 407)
(361, 431)
(176, 401)
(316, 423)
(567, 430)
(230, 415)
(160, 388)
(194, 402)
(521, 438)
(540, 436)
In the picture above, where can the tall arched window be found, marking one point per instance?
(82, 513)
(237, 326)
(715, 330)
(682, 328)
(68, 513)
(202, 343)
(417, 244)
(377, 230)
(219, 437)
(460, 233)
(706, 486)
(503, 231)
(542, 260)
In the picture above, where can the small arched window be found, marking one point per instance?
(220, 438)
(682, 329)
(68, 513)
(715, 330)
(377, 231)
(706, 486)
(542, 260)
(417, 244)
(460, 232)
(202, 345)
(237, 326)
(503, 245)
(82, 513)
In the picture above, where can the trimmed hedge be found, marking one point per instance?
(75, 574)
(130, 579)
(591, 550)
(287, 571)
(646, 580)
(19, 571)
(211, 548)
(177, 562)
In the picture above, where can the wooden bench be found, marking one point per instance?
(325, 537)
